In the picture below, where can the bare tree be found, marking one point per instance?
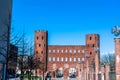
(109, 59)
(23, 50)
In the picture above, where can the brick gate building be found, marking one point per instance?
(68, 59)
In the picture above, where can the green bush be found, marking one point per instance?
(32, 77)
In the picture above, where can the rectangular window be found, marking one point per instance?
(49, 58)
(66, 51)
(61, 51)
(70, 59)
(78, 51)
(78, 59)
(53, 58)
(83, 59)
(70, 51)
(74, 59)
(58, 51)
(49, 51)
(62, 59)
(58, 59)
(74, 51)
(83, 51)
(66, 59)
(37, 37)
(53, 51)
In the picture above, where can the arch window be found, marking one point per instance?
(36, 52)
(90, 53)
(41, 52)
(37, 37)
(90, 38)
(42, 37)
(39, 45)
(93, 45)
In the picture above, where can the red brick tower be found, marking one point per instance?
(117, 57)
(93, 45)
(40, 50)
(92, 40)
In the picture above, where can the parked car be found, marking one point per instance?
(13, 77)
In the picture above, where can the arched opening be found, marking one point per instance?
(72, 73)
(59, 73)
(49, 75)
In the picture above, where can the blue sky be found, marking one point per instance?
(68, 21)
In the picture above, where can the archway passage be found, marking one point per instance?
(59, 73)
(72, 73)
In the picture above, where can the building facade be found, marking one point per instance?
(40, 50)
(12, 59)
(66, 60)
(117, 58)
